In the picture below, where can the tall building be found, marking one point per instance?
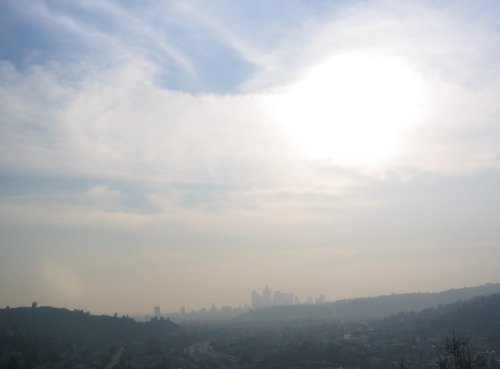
(321, 299)
(283, 298)
(276, 298)
(157, 312)
(256, 300)
(266, 297)
(213, 309)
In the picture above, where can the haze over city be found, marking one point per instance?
(180, 153)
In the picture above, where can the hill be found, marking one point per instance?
(478, 316)
(60, 338)
(364, 309)
(384, 306)
(377, 344)
(63, 325)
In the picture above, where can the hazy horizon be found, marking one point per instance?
(180, 153)
(247, 305)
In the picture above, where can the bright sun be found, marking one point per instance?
(352, 109)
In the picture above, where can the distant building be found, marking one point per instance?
(283, 298)
(34, 304)
(183, 310)
(277, 298)
(321, 299)
(157, 312)
(266, 297)
(269, 298)
(256, 300)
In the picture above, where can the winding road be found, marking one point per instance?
(115, 359)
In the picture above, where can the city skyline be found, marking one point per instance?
(268, 298)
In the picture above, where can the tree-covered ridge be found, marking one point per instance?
(58, 338)
(478, 315)
(387, 305)
(75, 326)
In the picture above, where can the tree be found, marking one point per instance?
(459, 353)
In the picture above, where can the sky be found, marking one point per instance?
(184, 153)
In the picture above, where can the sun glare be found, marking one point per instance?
(352, 109)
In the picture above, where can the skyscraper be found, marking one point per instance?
(256, 300)
(157, 312)
(266, 297)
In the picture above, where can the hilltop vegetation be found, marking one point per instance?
(384, 306)
(77, 327)
(59, 338)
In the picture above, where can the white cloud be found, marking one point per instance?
(120, 123)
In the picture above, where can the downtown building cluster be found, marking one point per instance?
(278, 298)
(266, 298)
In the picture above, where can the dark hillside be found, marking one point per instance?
(59, 338)
(479, 317)
(384, 306)
(77, 327)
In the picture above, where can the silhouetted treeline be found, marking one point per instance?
(60, 338)
(480, 315)
(384, 306)
(77, 327)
